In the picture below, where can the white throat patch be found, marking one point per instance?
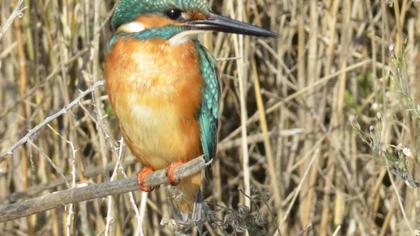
(184, 37)
(131, 27)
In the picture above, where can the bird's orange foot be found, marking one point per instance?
(170, 172)
(141, 179)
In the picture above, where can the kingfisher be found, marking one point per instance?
(163, 86)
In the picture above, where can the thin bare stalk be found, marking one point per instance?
(110, 212)
(17, 12)
(63, 111)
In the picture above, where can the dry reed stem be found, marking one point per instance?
(274, 181)
(17, 12)
(335, 64)
(49, 119)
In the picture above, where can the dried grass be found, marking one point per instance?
(320, 127)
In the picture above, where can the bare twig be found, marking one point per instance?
(110, 212)
(90, 192)
(297, 191)
(137, 212)
(70, 216)
(34, 130)
(401, 205)
(143, 205)
(17, 12)
(242, 76)
(274, 175)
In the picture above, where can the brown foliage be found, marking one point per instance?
(339, 88)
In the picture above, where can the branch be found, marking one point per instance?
(34, 130)
(90, 172)
(17, 12)
(93, 171)
(94, 191)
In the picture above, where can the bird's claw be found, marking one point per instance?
(170, 172)
(141, 179)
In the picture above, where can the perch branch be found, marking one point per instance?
(34, 130)
(93, 171)
(94, 191)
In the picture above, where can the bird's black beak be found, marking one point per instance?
(224, 24)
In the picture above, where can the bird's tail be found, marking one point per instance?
(186, 198)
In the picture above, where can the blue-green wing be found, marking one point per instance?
(209, 111)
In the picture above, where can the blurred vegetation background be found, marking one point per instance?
(320, 127)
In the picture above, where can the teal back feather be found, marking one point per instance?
(209, 111)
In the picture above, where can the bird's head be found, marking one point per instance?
(187, 16)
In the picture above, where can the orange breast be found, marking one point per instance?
(155, 91)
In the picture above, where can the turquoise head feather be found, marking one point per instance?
(128, 10)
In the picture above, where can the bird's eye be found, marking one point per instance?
(174, 14)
